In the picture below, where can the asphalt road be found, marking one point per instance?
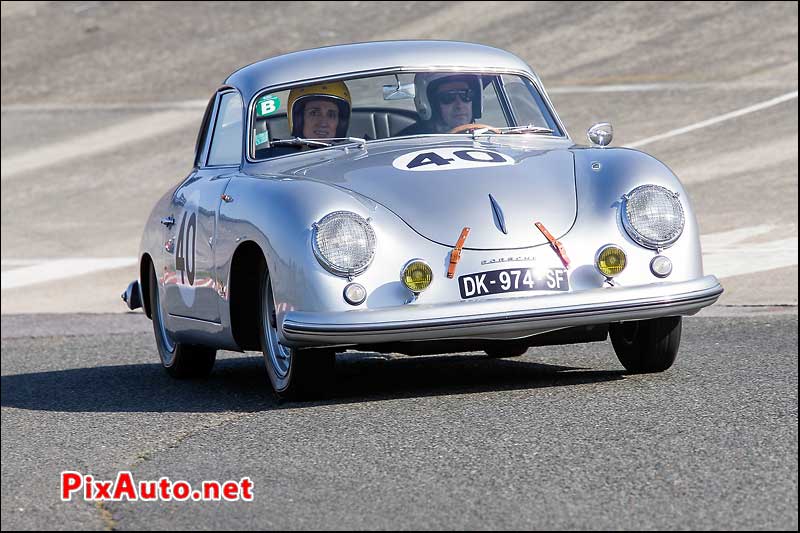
(559, 438)
(100, 106)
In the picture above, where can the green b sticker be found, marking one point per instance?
(267, 105)
(262, 138)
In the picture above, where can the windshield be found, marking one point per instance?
(393, 106)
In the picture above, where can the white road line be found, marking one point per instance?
(726, 253)
(119, 106)
(715, 120)
(20, 262)
(724, 239)
(750, 258)
(58, 269)
(121, 134)
(750, 158)
(634, 87)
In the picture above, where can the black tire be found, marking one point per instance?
(647, 346)
(293, 373)
(506, 349)
(180, 360)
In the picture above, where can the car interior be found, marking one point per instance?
(368, 123)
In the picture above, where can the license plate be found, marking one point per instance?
(512, 280)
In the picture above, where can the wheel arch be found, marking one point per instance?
(247, 266)
(144, 282)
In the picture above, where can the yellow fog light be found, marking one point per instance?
(611, 261)
(417, 275)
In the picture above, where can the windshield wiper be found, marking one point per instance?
(300, 141)
(530, 128)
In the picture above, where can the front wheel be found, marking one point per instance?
(647, 346)
(293, 373)
(178, 359)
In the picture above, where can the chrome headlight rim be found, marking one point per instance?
(634, 234)
(329, 265)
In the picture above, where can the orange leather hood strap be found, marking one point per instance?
(557, 246)
(455, 254)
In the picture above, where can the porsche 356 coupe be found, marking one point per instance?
(416, 197)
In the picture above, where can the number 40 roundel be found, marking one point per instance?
(450, 159)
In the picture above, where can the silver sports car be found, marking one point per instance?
(415, 197)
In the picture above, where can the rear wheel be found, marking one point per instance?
(293, 373)
(178, 359)
(647, 346)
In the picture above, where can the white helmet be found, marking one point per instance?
(426, 82)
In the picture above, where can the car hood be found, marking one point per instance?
(497, 190)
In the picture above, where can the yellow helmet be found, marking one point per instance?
(336, 91)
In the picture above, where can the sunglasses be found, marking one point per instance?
(448, 97)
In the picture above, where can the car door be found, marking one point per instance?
(192, 286)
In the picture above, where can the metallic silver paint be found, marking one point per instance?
(553, 181)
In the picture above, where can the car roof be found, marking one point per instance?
(331, 61)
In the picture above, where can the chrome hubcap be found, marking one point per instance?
(280, 356)
(166, 340)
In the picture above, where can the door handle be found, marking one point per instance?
(168, 221)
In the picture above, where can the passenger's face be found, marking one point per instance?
(457, 112)
(320, 119)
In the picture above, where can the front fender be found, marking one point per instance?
(600, 193)
(277, 214)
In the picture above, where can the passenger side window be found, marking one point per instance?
(492, 111)
(226, 143)
(527, 103)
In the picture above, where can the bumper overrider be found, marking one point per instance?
(500, 318)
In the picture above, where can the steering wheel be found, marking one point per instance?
(472, 127)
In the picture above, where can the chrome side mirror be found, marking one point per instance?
(601, 134)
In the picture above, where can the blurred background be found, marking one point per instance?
(101, 102)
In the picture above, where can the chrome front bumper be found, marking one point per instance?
(499, 318)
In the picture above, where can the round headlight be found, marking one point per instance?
(653, 216)
(344, 243)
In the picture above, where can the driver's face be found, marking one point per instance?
(458, 112)
(320, 119)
